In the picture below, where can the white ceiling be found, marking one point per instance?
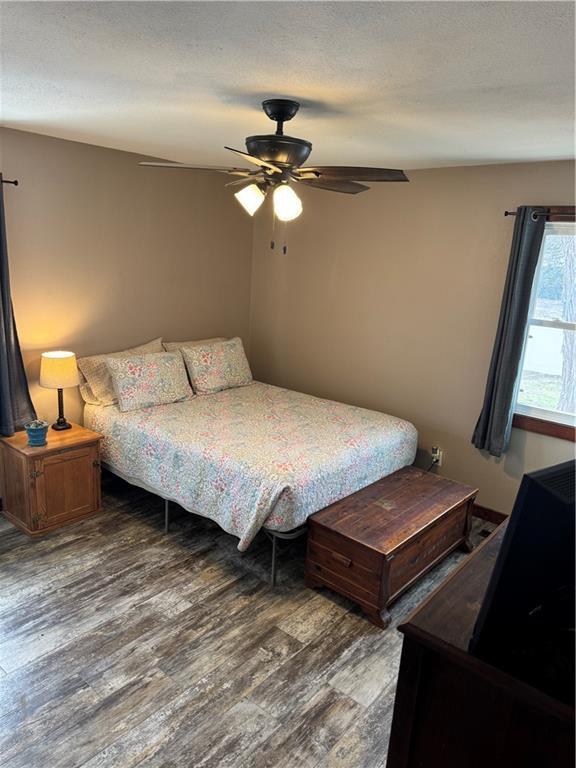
(398, 84)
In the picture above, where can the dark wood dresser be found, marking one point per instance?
(373, 545)
(452, 709)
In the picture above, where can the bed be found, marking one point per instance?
(253, 457)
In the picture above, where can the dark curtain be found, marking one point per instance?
(15, 404)
(494, 425)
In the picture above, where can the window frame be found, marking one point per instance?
(531, 418)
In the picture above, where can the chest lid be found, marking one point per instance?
(392, 510)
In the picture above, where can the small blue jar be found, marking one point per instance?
(36, 432)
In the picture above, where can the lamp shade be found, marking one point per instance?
(287, 204)
(250, 198)
(58, 370)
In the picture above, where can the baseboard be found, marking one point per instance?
(490, 515)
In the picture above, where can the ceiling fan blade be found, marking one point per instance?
(255, 160)
(255, 178)
(335, 185)
(354, 174)
(184, 166)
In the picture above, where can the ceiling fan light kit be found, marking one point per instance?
(250, 198)
(287, 204)
(279, 159)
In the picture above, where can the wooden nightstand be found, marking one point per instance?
(59, 483)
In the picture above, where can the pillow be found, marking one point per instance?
(217, 366)
(171, 346)
(146, 380)
(95, 384)
(85, 390)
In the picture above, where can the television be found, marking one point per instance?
(526, 622)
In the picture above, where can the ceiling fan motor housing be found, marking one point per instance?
(279, 157)
(280, 150)
(284, 151)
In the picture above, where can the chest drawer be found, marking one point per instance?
(319, 575)
(347, 566)
(362, 556)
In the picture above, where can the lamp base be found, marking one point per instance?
(61, 422)
(60, 425)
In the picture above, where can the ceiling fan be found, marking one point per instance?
(279, 159)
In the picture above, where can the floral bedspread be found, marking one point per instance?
(253, 456)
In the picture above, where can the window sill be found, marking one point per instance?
(544, 427)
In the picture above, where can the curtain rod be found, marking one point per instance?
(6, 181)
(536, 213)
(556, 212)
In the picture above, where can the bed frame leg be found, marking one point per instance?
(287, 536)
(274, 560)
(166, 515)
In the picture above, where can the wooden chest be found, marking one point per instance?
(372, 545)
(56, 484)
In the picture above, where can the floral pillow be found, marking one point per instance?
(146, 380)
(172, 346)
(96, 384)
(216, 366)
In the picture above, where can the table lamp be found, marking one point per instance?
(57, 371)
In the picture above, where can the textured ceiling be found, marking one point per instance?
(399, 84)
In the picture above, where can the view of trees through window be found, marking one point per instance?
(548, 377)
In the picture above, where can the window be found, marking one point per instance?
(546, 387)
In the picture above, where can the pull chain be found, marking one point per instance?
(273, 241)
(281, 235)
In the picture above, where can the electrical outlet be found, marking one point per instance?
(437, 455)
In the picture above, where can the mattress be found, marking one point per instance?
(252, 457)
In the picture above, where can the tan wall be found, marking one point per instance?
(390, 300)
(104, 254)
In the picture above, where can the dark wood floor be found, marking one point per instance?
(120, 646)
